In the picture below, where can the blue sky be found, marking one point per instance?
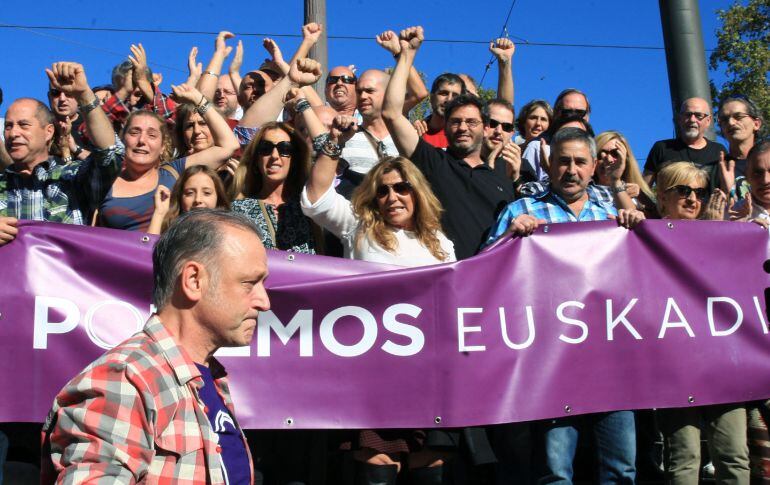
(628, 88)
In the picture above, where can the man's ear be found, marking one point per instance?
(193, 280)
(50, 130)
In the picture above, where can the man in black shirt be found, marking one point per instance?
(470, 191)
(691, 145)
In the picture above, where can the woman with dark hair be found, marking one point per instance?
(393, 218)
(148, 164)
(534, 119)
(267, 187)
(199, 187)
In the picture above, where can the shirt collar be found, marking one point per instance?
(44, 166)
(184, 367)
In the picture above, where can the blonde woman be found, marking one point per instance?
(616, 160)
(393, 216)
(682, 193)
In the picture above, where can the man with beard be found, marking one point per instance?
(691, 145)
(470, 191)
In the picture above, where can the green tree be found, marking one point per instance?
(742, 51)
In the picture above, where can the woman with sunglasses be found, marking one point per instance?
(393, 218)
(682, 190)
(148, 164)
(618, 163)
(199, 187)
(268, 184)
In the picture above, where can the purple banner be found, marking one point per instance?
(577, 318)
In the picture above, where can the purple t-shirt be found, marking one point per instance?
(135, 213)
(235, 461)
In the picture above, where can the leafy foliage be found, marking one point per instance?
(743, 52)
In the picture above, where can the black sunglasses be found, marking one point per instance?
(507, 127)
(54, 93)
(684, 191)
(344, 79)
(570, 113)
(401, 188)
(284, 148)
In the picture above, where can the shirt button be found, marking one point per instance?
(219, 449)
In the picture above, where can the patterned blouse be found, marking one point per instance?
(293, 231)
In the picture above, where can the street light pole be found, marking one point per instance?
(315, 11)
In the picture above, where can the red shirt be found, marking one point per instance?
(436, 138)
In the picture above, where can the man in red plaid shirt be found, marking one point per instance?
(157, 407)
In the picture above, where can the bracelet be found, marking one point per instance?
(302, 106)
(210, 73)
(319, 141)
(77, 152)
(331, 149)
(88, 107)
(619, 189)
(202, 108)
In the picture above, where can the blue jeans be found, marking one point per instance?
(615, 440)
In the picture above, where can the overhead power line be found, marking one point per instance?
(522, 42)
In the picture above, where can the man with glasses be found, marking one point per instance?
(740, 122)
(470, 191)
(226, 98)
(691, 144)
(341, 91)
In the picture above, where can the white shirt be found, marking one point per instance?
(360, 153)
(335, 213)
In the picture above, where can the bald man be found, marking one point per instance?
(372, 142)
(691, 145)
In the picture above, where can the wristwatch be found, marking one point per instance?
(618, 188)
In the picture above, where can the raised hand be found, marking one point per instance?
(312, 32)
(421, 126)
(502, 49)
(726, 173)
(162, 200)
(69, 78)
(220, 44)
(742, 212)
(186, 93)
(715, 207)
(389, 41)
(237, 62)
(343, 128)
(230, 166)
(139, 60)
(305, 72)
(292, 97)
(276, 55)
(411, 38)
(194, 68)
(511, 153)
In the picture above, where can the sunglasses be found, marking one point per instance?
(344, 79)
(507, 127)
(54, 93)
(698, 116)
(573, 113)
(266, 148)
(400, 188)
(684, 191)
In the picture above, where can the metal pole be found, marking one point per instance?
(685, 54)
(315, 11)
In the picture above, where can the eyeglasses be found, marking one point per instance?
(736, 116)
(401, 188)
(698, 116)
(507, 127)
(54, 93)
(456, 122)
(344, 79)
(684, 191)
(266, 148)
(573, 113)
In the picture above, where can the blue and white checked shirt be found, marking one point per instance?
(542, 203)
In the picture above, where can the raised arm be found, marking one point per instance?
(138, 58)
(70, 78)
(208, 81)
(235, 66)
(194, 68)
(303, 72)
(225, 143)
(503, 50)
(310, 34)
(404, 135)
(325, 168)
(415, 87)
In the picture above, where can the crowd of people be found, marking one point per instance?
(353, 176)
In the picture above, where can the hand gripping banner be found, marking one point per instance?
(577, 318)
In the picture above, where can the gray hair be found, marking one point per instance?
(751, 109)
(122, 70)
(194, 235)
(569, 134)
(42, 112)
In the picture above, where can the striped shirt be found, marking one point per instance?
(135, 415)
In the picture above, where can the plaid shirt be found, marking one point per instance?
(542, 203)
(135, 415)
(58, 192)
